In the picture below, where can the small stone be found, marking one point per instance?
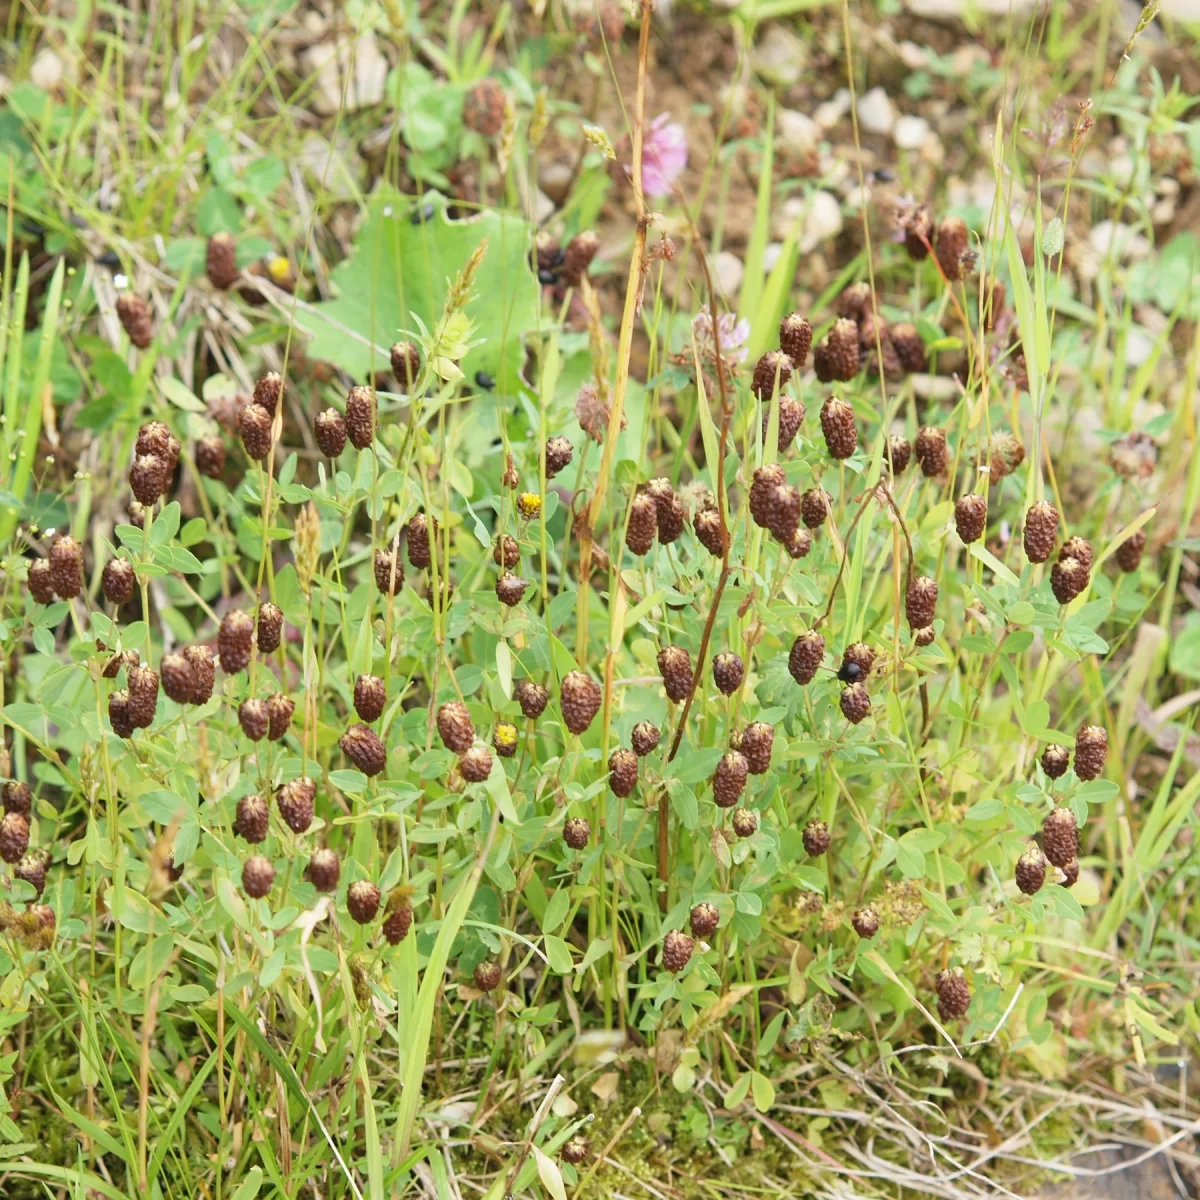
(728, 272)
(911, 133)
(875, 112)
(829, 113)
(798, 131)
(779, 56)
(823, 221)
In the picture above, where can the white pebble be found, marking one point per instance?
(911, 133)
(875, 112)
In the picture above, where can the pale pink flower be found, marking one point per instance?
(734, 332)
(664, 155)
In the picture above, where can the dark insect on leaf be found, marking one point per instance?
(484, 380)
(109, 259)
(422, 214)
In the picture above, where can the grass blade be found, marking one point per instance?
(431, 982)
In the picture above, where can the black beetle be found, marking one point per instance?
(548, 277)
(422, 213)
(484, 380)
(851, 672)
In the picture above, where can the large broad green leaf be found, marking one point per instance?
(401, 268)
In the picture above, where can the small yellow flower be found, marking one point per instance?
(529, 504)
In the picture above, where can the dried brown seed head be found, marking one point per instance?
(1091, 752)
(622, 772)
(816, 838)
(66, 567)
(704, 920)
(580, 698)
(254, 719)
(729, 779)
(258, 876)
(970, 517)
(270, 627)
(532, 698)
(1030, 871)
(253, 819)
(1041, 528)
(254, 428)
(577, 832)
(364, 748)
(221, 261)
(676, 951)
(118, 581)
(279, 714)
(795, 339)
(296, 801)
(931, 450)
(324, 869)
(806, 655)
(362, 899)
(360, 416)
(839, 427)
(329, 429)
(954, 996)
(235, 641)
(209, 456)
(268, 392)
(774, 364)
